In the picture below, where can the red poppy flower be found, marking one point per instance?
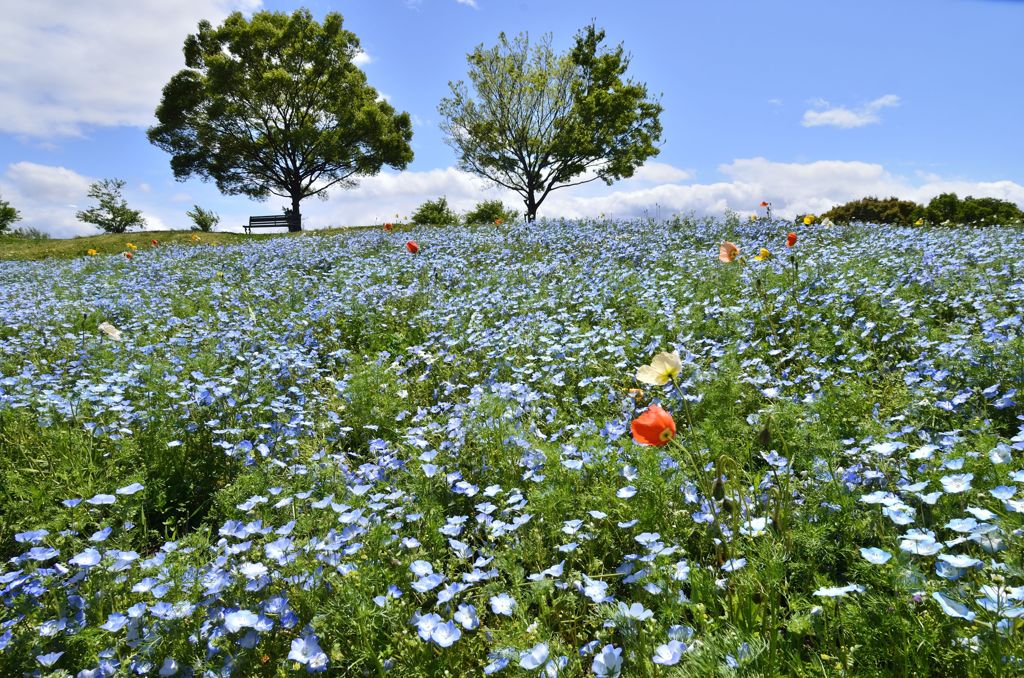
(764, 204)
(388, 227)
(128, 255)
(654, 427)
(153, 243)
(790, 239)
(412, 247)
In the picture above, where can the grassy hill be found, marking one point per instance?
(570, 448)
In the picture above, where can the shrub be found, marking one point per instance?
(8, 215)
(30, 233)
(435, 213)
(948, 208)
(877, 211)
(490, 211)
(112, 214)
(202, 220)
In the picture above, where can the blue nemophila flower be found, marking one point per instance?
(608, 662)
(170, 667)
(498, 662)
(240, 619)
(427, 583)
(626, 492)
(957, 482)
(635, 611)
(953, 608)
(535, 657)
(49, 659)
(31, 537)
(445, 634)
(88, 558)
(421, 568)
(838, 591)
(875, 556)
(306, 651)
(733, 564)
(130, 489)
(425, 624)
(669, 654)
(101, 500)
(467, 616)
(502, 604)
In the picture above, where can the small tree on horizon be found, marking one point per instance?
(112, 214)
(202, 220)
(537, 121)
(8, 215)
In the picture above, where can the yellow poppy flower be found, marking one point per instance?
(91, 252)
(665, 366)
(763, 255)
(808, 220)
(919, 222)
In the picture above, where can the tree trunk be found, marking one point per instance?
(297, 226)
(531, 208)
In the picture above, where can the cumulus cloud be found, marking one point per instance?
(66, 66)
(362, 58)
(838, 116)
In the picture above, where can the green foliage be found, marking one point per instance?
(112, 214)
(537, 120)
(873, 210)
(203, 220)
(944, 209)
(275, 105)
(490, 211)
(8, 215)
(948, 208)
(30, 233)
(435, 213)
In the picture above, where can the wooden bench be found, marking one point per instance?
(289, 221)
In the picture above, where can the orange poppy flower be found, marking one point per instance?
(128, 255)
(388, 226)
(412, 247)
(654, 427)
(153, 243)
(498, 222)
(764, 204)
(727, 252)
(790, 239)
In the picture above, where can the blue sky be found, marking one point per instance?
(806, 104)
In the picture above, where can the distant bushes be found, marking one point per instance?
(439, 213)
(435, 213)
(947, 209)
(489, 212)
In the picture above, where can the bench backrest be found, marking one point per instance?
(274, 220)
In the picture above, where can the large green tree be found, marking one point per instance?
(538, 121)
(275, 105)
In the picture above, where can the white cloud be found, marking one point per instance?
(468, 3)
(362, 58)
(65, 66)
(846, 118)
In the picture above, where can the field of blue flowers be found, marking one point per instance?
(332, 454)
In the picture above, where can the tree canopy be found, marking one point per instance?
(275, 105)
(538, 121)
